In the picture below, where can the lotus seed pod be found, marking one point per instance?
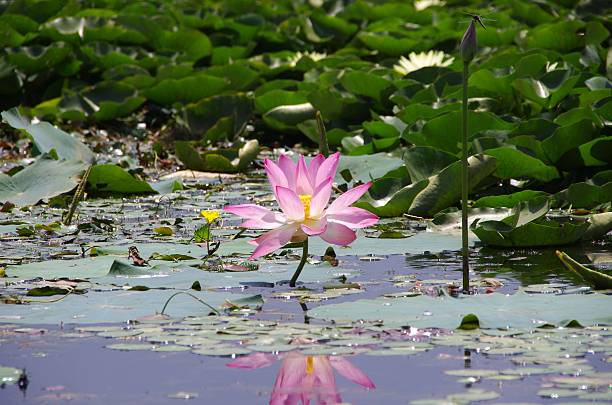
(469, 45)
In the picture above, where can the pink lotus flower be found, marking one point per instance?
(302, 379)
(303, 192)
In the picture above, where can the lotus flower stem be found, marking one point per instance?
(323, 145)
(464, 182)
(301, 265)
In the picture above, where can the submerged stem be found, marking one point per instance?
(464, 183)
(192, 296)
(301, 265)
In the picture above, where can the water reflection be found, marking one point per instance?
(302, 379)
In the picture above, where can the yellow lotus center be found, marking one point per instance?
(305, 199)
(309, 365)
(210, 215)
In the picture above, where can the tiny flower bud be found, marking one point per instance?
(469, 45)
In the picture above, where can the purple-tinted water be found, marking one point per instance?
(91, 374)
(81, 370)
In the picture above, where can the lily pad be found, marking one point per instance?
(495, 310)
(112, 306)
(9, 375)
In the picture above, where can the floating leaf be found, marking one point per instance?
(289, 115)
(495, 310)
(163, 231)
(9, 375)
(47, 291)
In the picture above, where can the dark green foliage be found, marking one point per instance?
(538, 88)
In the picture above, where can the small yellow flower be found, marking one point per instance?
(210, 215)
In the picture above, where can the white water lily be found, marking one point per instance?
(416, 61)
(315, 56)
(423, 4)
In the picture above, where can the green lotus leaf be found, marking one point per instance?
(43, 179)
(188, 89)
(514, 164)
(289, 115)
(566, 138)
(232, 160)
(276, 98)
(36, 58)
(109, 178)
(508, 200)
(368, 85)
(106, 56)
(192, 44)
(600, 281)
(428, 196)
(241, 77)
(528, 226)
(560, 36)
(444, 132)
(588, 194)
(423, 162)
(533, 234)
(47, 137)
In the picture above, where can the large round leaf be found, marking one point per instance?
(47, 137)
(43, 179)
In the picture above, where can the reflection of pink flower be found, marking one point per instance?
(303, 191)
(302, 379)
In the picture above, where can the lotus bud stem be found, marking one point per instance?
(469, 47)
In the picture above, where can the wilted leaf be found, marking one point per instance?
(600, 281)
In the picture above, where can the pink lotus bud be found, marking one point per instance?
(469, 45)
